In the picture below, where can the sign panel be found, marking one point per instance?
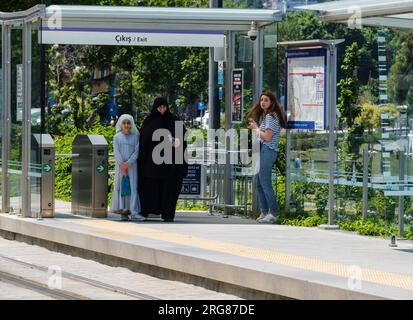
(192, 184)
(306, 88)
(19, 92)
(201, 106)
(133, 37)
(237, 104)
(220, 72)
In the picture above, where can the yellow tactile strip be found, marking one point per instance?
(272, 256)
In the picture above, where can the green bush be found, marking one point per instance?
(63, 180)
(377, 228)
(302, 221)
(368, 227)
(192, 207)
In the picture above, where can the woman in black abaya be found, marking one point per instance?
(160, 184)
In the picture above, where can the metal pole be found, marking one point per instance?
(5, 152)
(287, 171)
(213, 112)
(258, 64)
(401, 197)
(257, 77)
(332, 60)
(228, 191)
(365, 182)
(214, 108)
(27, 68)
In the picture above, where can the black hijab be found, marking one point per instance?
(152, 123)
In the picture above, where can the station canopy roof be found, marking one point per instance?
(383, 13)
(162, 17)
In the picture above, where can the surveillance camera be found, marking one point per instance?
(253, 33)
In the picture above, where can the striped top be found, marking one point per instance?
(273, 123)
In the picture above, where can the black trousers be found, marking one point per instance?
(159, 196)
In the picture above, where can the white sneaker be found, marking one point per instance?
(137, 217)
(269, 218)
(262, 216)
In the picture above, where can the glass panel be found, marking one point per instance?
(15, 162)
(35, 159)
(270, 60)
(309, 172)
(1, 114)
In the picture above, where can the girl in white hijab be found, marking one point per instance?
(126, 149)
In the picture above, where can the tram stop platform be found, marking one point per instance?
(231, 254)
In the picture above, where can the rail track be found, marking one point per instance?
(42, 288)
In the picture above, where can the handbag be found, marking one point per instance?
(125, 189)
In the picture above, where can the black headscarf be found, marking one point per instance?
(157, 103)
(152, 123)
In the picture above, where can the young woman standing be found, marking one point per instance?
(125, 197)
(266, 118)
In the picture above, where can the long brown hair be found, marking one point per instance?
(257, 113)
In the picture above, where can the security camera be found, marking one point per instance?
(253, 33)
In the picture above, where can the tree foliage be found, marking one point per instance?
(349, 87)
(401, 72)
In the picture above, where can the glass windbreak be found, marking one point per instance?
(35, 121)
(1, 114)
(389, 175)
(309, 172)
(380, 126)
(15, 160)
(270, 61)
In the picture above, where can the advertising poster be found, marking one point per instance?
(237, 104)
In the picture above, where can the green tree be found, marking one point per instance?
(401, 72)
(369, 117)
(349, 88)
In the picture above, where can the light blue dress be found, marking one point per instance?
(126, 149)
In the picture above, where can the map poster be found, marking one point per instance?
(306, 88)
(192, 183)
(237, 95)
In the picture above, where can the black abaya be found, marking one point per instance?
(159, 196)
(159, 184)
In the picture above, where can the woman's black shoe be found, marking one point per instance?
(125, 215)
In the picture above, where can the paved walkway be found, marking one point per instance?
(302, 263)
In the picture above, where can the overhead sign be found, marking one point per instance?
(192, 184)
(237, 104)
(132, 37)
(306, 88)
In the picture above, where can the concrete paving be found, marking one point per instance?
(121, 278)
(293, 262)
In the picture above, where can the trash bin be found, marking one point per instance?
(45, 147)
(90, 176)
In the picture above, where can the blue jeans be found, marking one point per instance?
(262, 182)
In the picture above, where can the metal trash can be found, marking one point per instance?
(45, 148)
(90, 176)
